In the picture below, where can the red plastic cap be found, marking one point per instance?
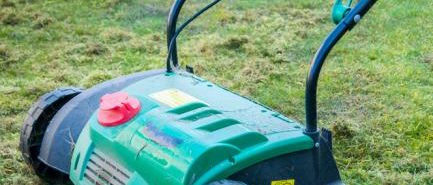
(117, 108)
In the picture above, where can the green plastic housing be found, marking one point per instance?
(207, 135)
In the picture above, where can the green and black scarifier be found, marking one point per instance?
(169, 126)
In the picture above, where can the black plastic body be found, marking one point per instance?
(299, 166)
(314, 166)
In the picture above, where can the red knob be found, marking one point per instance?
(117, 108)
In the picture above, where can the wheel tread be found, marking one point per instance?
(33, 129)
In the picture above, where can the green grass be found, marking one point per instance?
(375, 92)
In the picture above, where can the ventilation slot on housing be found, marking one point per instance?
(187, 108)
(102, 170)
(216, 125)
(200, 114)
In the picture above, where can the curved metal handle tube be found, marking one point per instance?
(171, 30)
(346, 24)
(313, 76)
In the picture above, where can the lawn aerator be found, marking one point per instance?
(170, 126)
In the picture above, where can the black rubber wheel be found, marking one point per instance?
(33, 130)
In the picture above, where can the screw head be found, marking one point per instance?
(357, 18)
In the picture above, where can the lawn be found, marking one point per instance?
(375, 92)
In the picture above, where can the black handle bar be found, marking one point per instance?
(349, 21)
(171, 30)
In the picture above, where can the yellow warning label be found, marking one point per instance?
(284, 182)
(173, 97)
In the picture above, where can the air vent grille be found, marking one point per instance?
(102, 170)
